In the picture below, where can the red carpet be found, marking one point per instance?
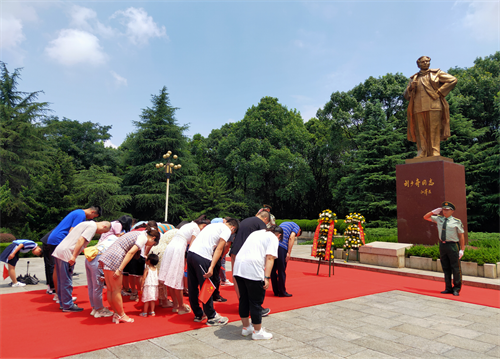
(32, 326)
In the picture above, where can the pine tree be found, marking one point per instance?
(157, 133)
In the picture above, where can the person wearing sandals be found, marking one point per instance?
(173, 263)
(252, 271)
(149, 285)
(114, 260)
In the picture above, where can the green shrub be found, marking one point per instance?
(479, 256)
(423, 251)
(473, 236)
(7, 238)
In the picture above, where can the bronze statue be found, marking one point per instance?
(428, 112)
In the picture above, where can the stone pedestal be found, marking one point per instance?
(383, 254)
(422, 186)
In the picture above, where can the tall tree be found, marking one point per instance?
(157, 133)
(21, 146)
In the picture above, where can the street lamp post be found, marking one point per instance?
(169, 169)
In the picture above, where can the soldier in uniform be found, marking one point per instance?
(451, 245)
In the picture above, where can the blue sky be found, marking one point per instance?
(101, 61)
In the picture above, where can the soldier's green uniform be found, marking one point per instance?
(449, 248)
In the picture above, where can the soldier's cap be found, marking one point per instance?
(448, 205)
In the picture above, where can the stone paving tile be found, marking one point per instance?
(298, 351)
(381, 345)
(306, 322)
(381, 312)
(459, 353)
(410, 304)
(464, 332)
(341, 333)
(96, 354)
(422, 322)
(382, 322)
(221, 356)
(494, 329)
(422, 343)
(417, 353)
(253, 350)
(348, 323)
(370, 354)
(378, 332)
(351, 305)
(444, 312)
(489, 320)
(479, 319)
(418, 331)
(491, 310)
(302, 335)
(320, 354)
(345, 313)
(488, 338)
(495, 352)
(467, 344)
(480, 312)
(167, 340)
(443, 319)
(140, 350)
(418, 313)
(338, 347)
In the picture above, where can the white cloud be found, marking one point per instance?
(12, 32)
(76, 46)
(140, 26)
(483, 19)
(120, 81)
(12, 19)
(80, 17)
(108, 143)
(84, 18)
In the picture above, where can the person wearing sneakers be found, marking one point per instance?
(451, 245)
(58, 234)
(65, 256)
(202, 256)
(252, 272)
(10, 255)
(95, 276)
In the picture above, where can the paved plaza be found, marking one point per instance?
(393, 324)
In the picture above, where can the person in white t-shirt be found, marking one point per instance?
(252, 271)
(202, 257)
(65, 256)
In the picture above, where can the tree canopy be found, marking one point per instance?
(343, 159)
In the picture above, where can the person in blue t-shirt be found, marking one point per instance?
(11, 255)
(56, 236)
(291, 230)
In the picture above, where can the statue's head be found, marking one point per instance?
(424, 62)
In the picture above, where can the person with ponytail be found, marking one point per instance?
(114, 260)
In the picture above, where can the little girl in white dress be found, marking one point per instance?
(150, 285)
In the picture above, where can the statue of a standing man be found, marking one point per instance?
(428, 112)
